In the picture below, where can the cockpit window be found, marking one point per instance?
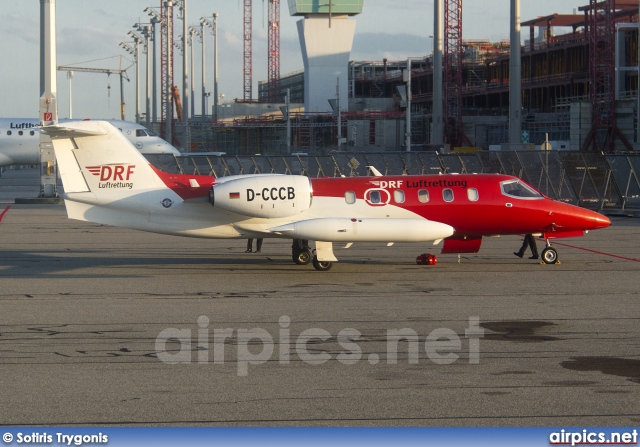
(519, 190)
(151, 133)
(140, 133)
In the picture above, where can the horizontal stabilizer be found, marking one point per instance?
(63, 131)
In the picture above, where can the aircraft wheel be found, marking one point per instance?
(549, 255)
(302, 257)
(321, 266)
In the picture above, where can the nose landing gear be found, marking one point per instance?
(550, 255)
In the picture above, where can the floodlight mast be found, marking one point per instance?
(137, 40)
(48, 110)
(182, 9)
(193, 31)
(129, 49)
(155, 19)
(212, 25)
(146, 30)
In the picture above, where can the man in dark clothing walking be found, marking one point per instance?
(529, 241)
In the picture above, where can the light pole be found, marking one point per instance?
(137, 40)
(437, 136)
(155, 19)
(182, 5)
(288, 121)
(168, 70)
(213, 27)
(146, 29)
(408, 114)
(70, 77)
(192, 31)
(204, 92)
(215, 65)
(338, 102)
(131, 51)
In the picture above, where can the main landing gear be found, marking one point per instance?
(302, 254)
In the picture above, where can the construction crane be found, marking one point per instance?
(452, 85)
(273, 92)
(247, 50)
(108, 71)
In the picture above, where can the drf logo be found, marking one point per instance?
(112, 172)
(387, 184)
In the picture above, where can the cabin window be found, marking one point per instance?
(398, 196)
(472, 194)
(350, 197)
(447, 195)
(374, 197)
(32, 133)
(423, 196)
(8, 132)
(518, 189)
(20, 132)
(140, 133)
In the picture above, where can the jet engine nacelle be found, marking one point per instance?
(268, 195)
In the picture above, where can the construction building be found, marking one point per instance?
(576, 92)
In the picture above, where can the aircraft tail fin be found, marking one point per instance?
(95, 155)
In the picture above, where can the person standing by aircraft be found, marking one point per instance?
(529, 241)
(250, 245)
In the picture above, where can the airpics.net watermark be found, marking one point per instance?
(257, 346)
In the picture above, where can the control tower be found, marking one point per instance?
(326, 37)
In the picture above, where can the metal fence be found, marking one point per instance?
(591, 180)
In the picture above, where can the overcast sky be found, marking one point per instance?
(89, 33)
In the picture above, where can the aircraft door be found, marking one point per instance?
(377, 196)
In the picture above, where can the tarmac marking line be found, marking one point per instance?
(597, 252)
(4, 212)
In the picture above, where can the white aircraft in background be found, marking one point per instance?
(20, 141)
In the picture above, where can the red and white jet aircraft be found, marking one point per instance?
(107, 181)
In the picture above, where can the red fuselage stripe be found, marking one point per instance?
(4, 212)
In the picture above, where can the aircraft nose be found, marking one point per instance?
(595, 220)
(571, 217)
(602, 221)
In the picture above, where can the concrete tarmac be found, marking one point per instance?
(84, 308)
